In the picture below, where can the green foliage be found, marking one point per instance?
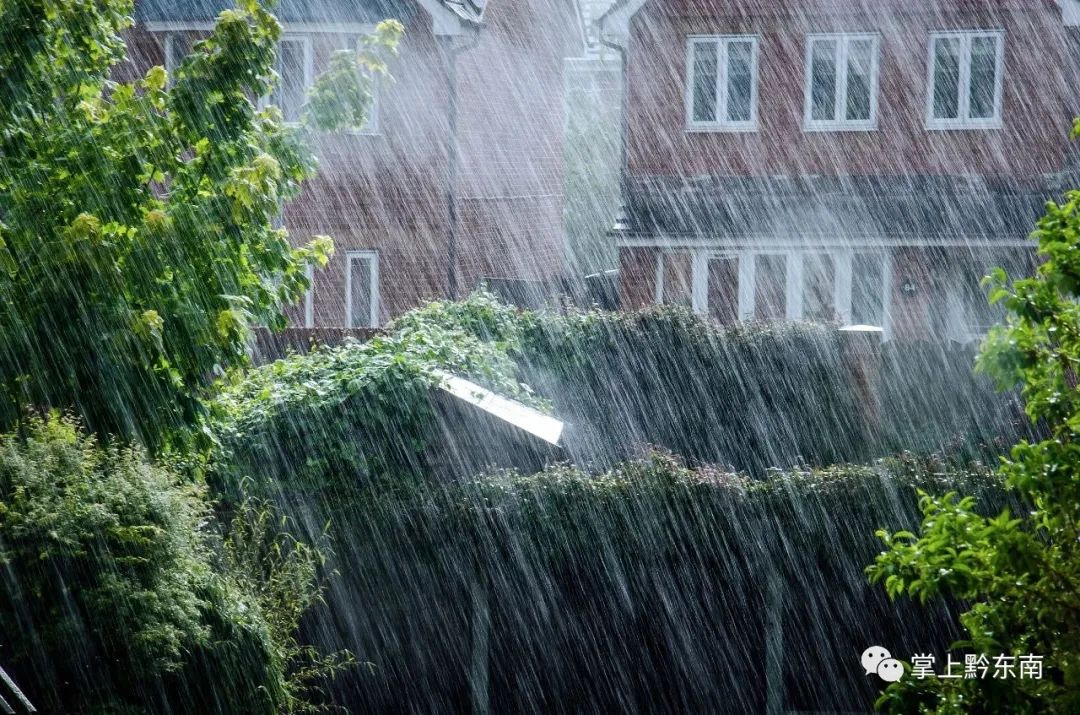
(118, 593)
(1020, 570)
(342, 95)
(138, 239)
(642, 584)
(330, 420)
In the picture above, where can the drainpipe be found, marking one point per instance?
(453, 158)
(622, 221)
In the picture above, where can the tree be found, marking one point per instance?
(1019, 574)
(138, 237)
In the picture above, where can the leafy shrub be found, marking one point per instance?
(1019, 570)
(754, 395)
(113, 596)
(643, 585)
(326, 422)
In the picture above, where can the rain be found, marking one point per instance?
(539, 356)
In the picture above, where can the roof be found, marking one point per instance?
(847, 209)
(302, 11)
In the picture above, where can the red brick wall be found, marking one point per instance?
(1031, 141)
(637, 277)
(386, 191)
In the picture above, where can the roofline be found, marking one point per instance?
(615, 23)
(444, 21)
(329, 28)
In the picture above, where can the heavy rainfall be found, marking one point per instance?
(539, 356)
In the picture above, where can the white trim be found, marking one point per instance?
(170, 48)
(964, 121)
(747, 276)
(795, 275)
(658, 280)
(615, 23)
(840, 122)
(444, 21)
(1070, 12)
(723, 44)
(856, 244)
(309, 297)
(316, 28)
(699, 281)
(373, 276)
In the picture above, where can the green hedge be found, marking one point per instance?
(642, 588)
(117, 594)
(752, 396)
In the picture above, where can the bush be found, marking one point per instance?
(640, 588)
(325, 423)
(752, 396)
(113, 595)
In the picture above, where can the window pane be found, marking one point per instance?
(946, 78)
(740, 80)
(724, 290)
(289, 94)
(867, 290)
(983, 77)
(819, 281)
(823, 80)
(705, 79)
(860, 74)
(678, 280)
(361, 288)
(770, 287)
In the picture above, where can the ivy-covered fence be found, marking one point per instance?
(646, 588)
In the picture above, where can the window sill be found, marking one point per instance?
(962, 126)
(722, 129)
(827, 127)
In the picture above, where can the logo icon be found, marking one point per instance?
(876, 659)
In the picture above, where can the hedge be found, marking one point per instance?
(642, 588)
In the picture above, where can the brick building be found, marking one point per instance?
(458, 175)
(865, 161)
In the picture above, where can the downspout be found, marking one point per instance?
(622, 221)
(453, 159)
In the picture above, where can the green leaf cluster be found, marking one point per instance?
(120, 593)
(138, 236)
(1019, 570)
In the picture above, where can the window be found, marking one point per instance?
(819, 288)
(823, 285)
(294, 68)
(965, 80)
(841, 82)
(371, 125)
(178, 45)
(674, 279)
(770, 286)
(362, 289)
(722, 82)
(867, 289)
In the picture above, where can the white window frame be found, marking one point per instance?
(373, 257)
(843, 260)
(839, 122)
(309, 298)
(309, 67)
(964, 121)
(170, 50)
(720, 124)
(372, 127)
